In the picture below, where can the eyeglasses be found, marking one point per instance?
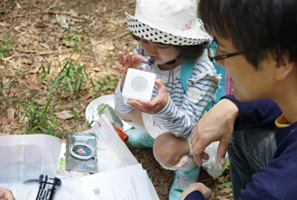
(213, 50)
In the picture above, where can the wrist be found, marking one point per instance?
(230, 107)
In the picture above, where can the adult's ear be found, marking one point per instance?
(283, 67)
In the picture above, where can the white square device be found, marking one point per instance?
(139, 84)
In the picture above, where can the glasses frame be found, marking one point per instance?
(219, 57)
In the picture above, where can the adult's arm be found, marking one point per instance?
(255, 114)
(229, 114)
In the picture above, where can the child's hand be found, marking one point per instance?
(128, 61)
(124, 60)
(154, 106)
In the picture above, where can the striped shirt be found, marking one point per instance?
(184, 108)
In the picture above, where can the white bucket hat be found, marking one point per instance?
(171, 22)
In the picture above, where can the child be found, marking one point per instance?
(260, 55)
(169, 32)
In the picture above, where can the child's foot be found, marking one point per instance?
(182, 180)
(139, 139)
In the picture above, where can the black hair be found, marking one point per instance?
(190, 51)
(257, 27)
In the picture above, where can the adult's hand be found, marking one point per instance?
(6, 194)
(196, 186)
(216, 125)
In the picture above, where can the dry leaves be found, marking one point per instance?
(65, 114)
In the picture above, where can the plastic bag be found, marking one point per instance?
(212, 165)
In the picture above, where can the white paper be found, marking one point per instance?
(25, 157)
(128, 183)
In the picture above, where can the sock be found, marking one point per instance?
(190, 164)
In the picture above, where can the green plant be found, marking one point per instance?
(5, 85)
(72, 76)
(229, 183)
(69, 82)
(44, 72)
(73, 41)
(41, 118)
(226, 164)
(225, 184)
(39, 121)
(5, 46)
(107, 84)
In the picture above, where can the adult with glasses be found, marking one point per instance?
(260, 55)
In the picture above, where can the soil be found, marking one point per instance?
(49, 35)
